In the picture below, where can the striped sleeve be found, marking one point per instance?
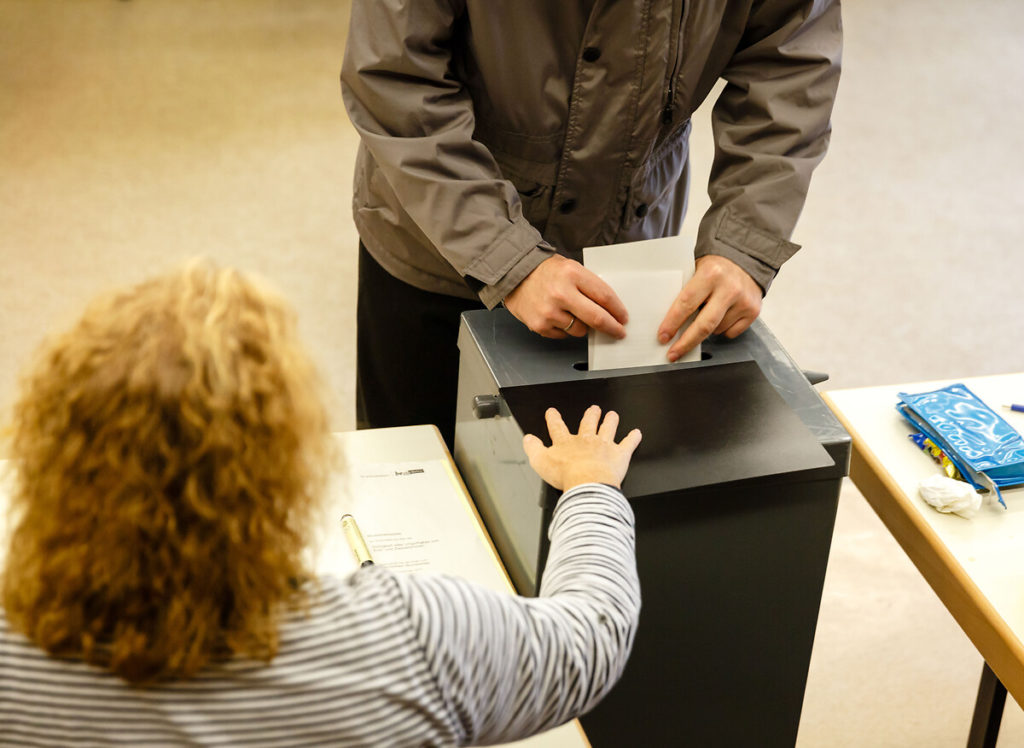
(508, 667)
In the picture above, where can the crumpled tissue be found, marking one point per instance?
(949, 495)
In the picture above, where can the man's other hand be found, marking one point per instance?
(729, 301)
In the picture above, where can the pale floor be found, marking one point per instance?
(136, 134)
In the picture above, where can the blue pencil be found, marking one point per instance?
(1016, 407)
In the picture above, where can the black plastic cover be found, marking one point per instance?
(701, 426)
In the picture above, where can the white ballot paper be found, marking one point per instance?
(413, 517)
(647, 276)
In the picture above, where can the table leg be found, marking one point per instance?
(988, 711)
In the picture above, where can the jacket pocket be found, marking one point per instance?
(371, 191)
(654, 188)
(534, 183)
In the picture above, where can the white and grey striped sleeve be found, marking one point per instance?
(508, 667)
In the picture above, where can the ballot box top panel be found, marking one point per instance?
(701, 426)
(515, 356)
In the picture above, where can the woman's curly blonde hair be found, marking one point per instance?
(170, 452)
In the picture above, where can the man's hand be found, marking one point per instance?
(731, 301)
(562, 298)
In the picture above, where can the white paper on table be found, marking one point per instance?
(647, 276)
(413, 516)
(416, 516)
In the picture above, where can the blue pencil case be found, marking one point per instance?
(986, 449)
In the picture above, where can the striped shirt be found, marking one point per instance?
(380, 659)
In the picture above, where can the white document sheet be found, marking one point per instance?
(647, 276)
(413, 517)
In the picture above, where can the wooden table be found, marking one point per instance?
(975, 566)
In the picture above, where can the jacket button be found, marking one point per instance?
(641, 210)
(591, 54)
(568, 206)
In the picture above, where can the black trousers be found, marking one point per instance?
(407, 354)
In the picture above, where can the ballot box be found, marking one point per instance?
(734, 487)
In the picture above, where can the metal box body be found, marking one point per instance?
(731, 566)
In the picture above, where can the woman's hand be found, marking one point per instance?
(591, 456)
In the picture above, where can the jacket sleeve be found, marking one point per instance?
(771, 127)
(416, 120)
(508, 667)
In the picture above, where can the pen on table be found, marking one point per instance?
(1016, 407)
(355, 540)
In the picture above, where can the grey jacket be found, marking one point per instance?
(495, 132)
